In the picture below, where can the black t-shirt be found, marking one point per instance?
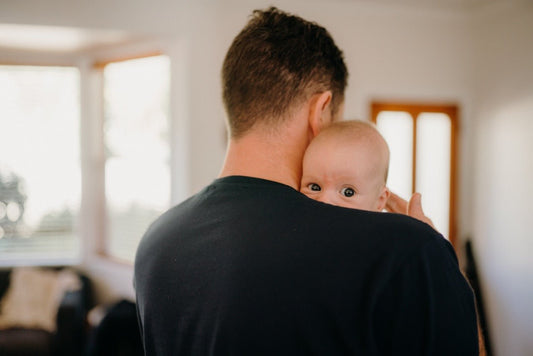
(252, 267)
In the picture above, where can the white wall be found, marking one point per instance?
(504, 172)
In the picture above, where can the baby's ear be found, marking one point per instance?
(383, 197)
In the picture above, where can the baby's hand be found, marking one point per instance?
(413, 208)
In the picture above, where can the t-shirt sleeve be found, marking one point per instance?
(427, 307)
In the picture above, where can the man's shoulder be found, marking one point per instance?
(383, 225)
(281, 210)
(372, 236)
(412, 236)
(413, 239)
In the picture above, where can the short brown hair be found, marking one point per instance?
(275, 63)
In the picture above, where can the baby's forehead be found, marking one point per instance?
(360, 141)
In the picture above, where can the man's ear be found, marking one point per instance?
(319, 112)
(382, 199)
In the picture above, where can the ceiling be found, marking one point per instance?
(57, 39)
(449, 4)
(75, 40)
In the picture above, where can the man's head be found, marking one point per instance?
(276, 63)
(347, 165)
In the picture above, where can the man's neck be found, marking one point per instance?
(265, 156)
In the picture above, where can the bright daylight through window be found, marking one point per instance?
(421, 145)
(136, 135)
(39, 164)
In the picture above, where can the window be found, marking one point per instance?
(422, 140)
(136, 137)
(40, 183)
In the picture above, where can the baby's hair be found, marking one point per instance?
(357, 130)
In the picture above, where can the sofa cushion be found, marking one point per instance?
(33, 297)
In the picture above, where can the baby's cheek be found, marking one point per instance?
(306, 193)
(310, 194)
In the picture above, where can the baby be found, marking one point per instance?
(346, 164)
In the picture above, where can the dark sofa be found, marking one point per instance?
(70, 337)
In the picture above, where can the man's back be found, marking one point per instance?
(250, 266)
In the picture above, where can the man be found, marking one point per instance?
(250, 266)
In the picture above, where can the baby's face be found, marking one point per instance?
(347, 175)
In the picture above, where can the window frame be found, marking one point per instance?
(415, 109)
(100, 247)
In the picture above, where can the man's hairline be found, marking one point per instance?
(273, 124)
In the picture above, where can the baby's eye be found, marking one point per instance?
(348, 192)
(314, 187)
